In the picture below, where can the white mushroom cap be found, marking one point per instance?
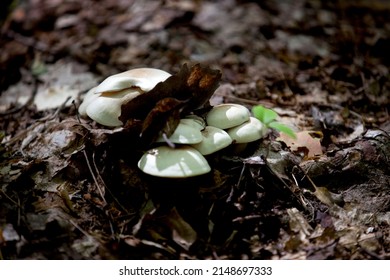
(227, 115)
(106, 108)
(249, 131)
(103, 103)
(181, 162)
(143, 78)
(214, 139)
(185, 133)
(89, 97)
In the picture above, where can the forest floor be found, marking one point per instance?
(71, 189)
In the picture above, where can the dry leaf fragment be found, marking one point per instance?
(182, 232)
(306, 141)
(202, 83)
(164, 224)
(164, 117)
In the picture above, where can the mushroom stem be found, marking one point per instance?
(169, 142)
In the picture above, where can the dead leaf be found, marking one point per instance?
(306, 141)
(165, 224)
(164, 117)
(8, 234)
(326, 197)
(62, 83)
(182, 232)
(298, 223)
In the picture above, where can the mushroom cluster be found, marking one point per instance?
(183, 154)
(224, 124)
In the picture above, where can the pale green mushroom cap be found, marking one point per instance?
(249, 131)
(214, 139)
(195, 121)
(227, 115)
(185, 133)
(180, 162)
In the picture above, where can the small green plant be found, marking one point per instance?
(268, 117)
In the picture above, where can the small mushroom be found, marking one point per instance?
(180, 162)
(214, 139)
(195, 121)
(227, 115)
(249, 131)
(187, 132)
(103, 103)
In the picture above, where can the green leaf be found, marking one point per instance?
(263, 114)
(283, 128)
